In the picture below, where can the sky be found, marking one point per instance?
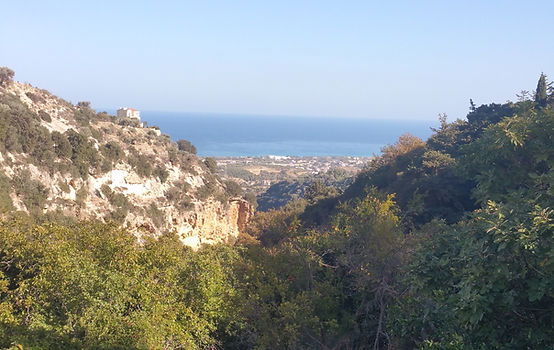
(363, 59)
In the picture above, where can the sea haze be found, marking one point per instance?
(249, 135)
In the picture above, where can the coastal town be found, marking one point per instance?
(259, 173)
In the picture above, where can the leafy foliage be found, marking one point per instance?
(443, 244)
(92, 285)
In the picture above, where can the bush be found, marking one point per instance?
(161, 173)
(84, 155)
(186, 146)
(233, 188)
(128, 122)
(211, 164)
(32, 192)
(62, 147)
(83, 115)
(252, 199)
(6, 204)
(157, 216)
(119, 201)
(206, 191)
(36, 98)
(112, 151)
(83, 104)
(6, 76)
(141, 164)
(81, 195)
(94, 286)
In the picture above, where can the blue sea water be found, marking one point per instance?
(249, 135)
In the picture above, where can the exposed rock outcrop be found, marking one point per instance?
(92, 165)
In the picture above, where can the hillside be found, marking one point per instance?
(446, 243)
(59, 160)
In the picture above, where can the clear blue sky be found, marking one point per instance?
(374, 59)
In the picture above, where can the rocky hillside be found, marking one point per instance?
(63, 160)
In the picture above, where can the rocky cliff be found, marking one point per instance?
(59, 159)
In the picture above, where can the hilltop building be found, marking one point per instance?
(128, 113)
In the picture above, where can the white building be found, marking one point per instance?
(128, 113)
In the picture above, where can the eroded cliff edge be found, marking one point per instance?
(60, 159)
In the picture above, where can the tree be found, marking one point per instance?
(6, 75)
(186, 146)
(406, 143)
(541, 95)
(233, 188)
(83, 104)
(317, 190)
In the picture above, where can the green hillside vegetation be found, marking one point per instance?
(282, 192)
(440, 244)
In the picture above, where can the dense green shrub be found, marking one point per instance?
(32, 192)
(83, 155)
(444, 244)
(119, 201)
(93, 286)
(21, 132)
(62, 147)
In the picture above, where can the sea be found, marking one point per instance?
(231, 135)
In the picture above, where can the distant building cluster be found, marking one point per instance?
(128, 113)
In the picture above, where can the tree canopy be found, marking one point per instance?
(438, 244)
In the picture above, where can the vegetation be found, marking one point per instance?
(438, 244)
(32, 192)
(280, 193)
(6, 75)
(119, 201)
(186, 146)
(211, 164)
(6, 203)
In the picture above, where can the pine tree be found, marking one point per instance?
(541, 95)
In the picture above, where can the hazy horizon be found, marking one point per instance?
(400, 60)
(113, 110)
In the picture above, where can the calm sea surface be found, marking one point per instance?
(239, 135)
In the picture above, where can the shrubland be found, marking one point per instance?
(440, 244)
(59, 158)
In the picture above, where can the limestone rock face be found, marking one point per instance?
(115, 169)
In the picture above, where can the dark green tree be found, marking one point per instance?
(541, 95)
